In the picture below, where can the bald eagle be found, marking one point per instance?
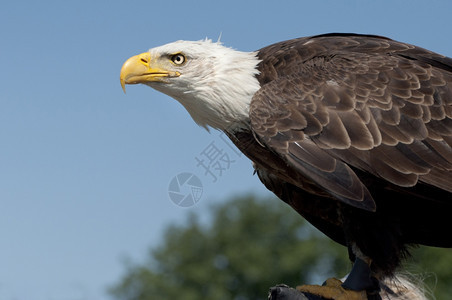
(352, 131)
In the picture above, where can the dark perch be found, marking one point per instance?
(284, 292)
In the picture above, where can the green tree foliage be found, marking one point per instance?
(249, 245)
(435, 268)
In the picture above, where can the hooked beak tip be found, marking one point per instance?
(123, 84)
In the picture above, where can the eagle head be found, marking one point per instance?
(213, 82)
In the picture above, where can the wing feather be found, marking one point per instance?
(369, 103)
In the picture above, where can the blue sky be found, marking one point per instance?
(85, 169)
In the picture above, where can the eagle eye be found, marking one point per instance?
(178, 59)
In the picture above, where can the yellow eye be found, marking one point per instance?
(178, 59)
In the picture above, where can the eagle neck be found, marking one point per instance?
(221, 96)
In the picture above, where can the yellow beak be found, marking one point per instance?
(141, 69)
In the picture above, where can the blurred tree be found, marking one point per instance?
(249, 245)
(435, 267)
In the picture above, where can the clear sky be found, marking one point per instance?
(85, 169)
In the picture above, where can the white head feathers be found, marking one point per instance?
(216, 82)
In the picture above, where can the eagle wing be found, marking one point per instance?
(331, 105)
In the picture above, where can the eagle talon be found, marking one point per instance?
(332, 289)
